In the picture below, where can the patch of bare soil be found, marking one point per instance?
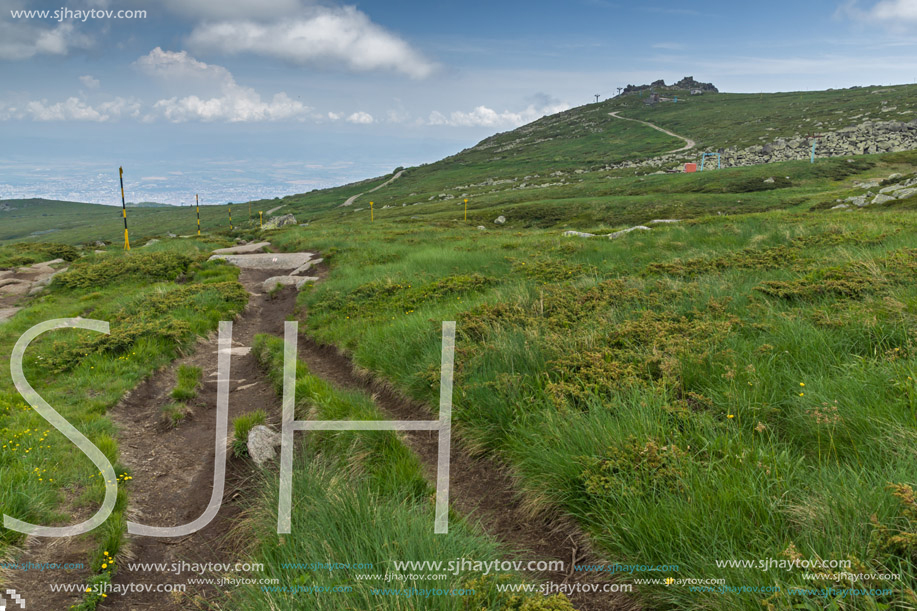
(172, 468)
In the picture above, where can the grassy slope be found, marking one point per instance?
(83, 374)
(366, 494)
(653, 386)
(583, 138)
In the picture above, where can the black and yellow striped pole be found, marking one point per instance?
(127, 242)
(197, 205)
(230, 217)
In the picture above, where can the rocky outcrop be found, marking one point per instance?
(280, 221)
(686, 84)
(866, 138)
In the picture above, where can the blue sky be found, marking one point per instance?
(239, 99)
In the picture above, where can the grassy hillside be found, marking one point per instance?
(559, 157)
(734, 387)
(738, 387)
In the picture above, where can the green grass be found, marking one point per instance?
(365, 494)
(242, 426)
(579, 143)
(189, 379)
(83, 374)
(652, 386)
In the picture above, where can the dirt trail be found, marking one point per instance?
(172, 468)
(353, 198)
(480, 488)
(689, 144)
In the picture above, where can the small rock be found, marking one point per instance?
(904, 193)
(579, 234)
(482, 227)
(769, 180)
(150, 243)
(7, 313)
(882, 198)
(658, 221)
(840, 207)
(261, 444)
(500, 220)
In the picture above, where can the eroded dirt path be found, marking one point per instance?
(350, 200)
(172, 468)
(480, 488)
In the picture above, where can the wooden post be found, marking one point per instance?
(127, 242)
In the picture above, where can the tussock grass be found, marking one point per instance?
(362, 498)
(733, 387)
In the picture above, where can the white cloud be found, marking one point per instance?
(896, 14)
(361, 118)
(19, 39)
(334, 116)
(482, 116)
(894, 10)
(75, 109)
(181, 66)
(89, 81)
(325, 36)
(235, 103)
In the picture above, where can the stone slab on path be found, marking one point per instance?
(7, 313)
(297, 281)
(267, 260)
(245, 249)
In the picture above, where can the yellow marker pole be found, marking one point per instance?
(261, 219)
(197, 204)
(230, 217)
(127, 242)
(466, 208)
(371, 215)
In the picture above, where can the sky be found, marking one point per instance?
(244, 99)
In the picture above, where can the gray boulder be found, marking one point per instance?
(297, 281)
(579, 234)
(261, 443)
(881, 198)
(280, 221)
(500, 220)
